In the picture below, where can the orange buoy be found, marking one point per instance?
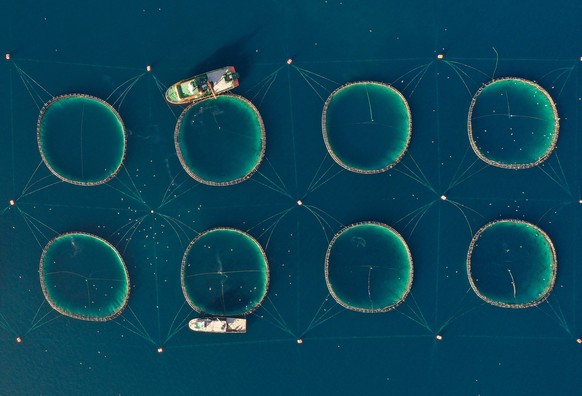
(579, 340)
(289, 61)
(7, 56)
(18, 340)
(300, 341)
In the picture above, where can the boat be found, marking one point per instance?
(218, 325)
(203, 86)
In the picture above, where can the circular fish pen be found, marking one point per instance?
(512, 264)
(224, 272)
(81, 139)
(220, 141)
(368, 267)
(513, 123)
(366, 126)
(84, 277)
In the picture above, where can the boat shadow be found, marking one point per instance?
(236, 53)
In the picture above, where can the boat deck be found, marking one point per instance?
(188, 89)
(220, 83)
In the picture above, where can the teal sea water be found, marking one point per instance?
(152, 209)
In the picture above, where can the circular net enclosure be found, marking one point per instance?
(84, 277)
(366, 126)
(512, 264)
(224, 272)
(368, 267)
(220, 141)
(513, 123)
(81, 139)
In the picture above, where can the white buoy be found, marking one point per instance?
(12, 203)
(289, 61)
(299, 202)
(444, 197)
(152, 211)
(8, 57)
(148, 68)
(300, 341)
(439, 337)
(160, 350)
(579, 340)
(441, 56)
(18, 340)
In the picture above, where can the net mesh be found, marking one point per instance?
(220, 141)
(512, 264)
(224, 272)
(366, 126)
(84, 277)
(81, 139)
(368, 267)
(513, 123)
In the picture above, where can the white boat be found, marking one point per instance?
(203, 86)
(218, 325)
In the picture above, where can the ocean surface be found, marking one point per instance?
(152, 209)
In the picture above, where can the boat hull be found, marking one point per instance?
(203, 86)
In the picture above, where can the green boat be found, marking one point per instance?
(203, 86)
